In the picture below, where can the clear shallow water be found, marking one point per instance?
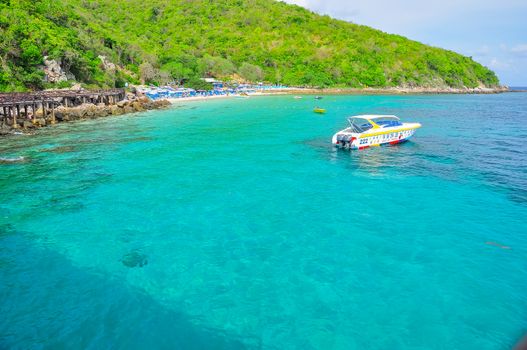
(258, 234)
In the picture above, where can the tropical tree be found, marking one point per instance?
(251, 72)
(147, 73)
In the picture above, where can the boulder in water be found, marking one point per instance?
(134, 259)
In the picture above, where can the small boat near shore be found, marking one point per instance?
(374, 130)
(319, 110)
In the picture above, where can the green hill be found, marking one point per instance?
(163, 40)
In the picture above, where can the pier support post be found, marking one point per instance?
(34, 116)
(18, 116)
(43, 109)
(15, 123)
(53, 120)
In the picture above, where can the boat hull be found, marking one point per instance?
(376, 137)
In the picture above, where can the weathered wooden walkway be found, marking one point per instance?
(17, 107)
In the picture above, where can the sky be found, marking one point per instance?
(492, 32)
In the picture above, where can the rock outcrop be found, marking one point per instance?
(107, 65)
(54, 72)
(91, 111)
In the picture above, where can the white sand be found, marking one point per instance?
(199, 98)
(204, 98)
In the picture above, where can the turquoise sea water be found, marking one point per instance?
(233, 224)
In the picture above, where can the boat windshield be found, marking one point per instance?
(387, 121)
(359, 125)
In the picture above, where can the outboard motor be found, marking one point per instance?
(344, 140)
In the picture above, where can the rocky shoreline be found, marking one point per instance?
(83, 112)
(134, 104)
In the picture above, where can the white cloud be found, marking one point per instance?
(482, 51)
(520, 49)
(498, 64)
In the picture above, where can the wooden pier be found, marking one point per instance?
(15, 108)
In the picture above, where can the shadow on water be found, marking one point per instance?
(374, 158)
(49, 303)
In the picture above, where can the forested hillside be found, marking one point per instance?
(109, 42)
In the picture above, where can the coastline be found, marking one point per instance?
(199, 98)
(389, 91)
(352, 91)
(138, 104)
(222, 97)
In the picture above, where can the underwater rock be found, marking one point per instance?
(6, 229)
(134, 259)
(59, 149)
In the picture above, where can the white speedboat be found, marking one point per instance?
(374, 130)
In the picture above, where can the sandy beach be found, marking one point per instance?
(205, 98)
(198, 98)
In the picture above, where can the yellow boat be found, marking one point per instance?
(319, 110)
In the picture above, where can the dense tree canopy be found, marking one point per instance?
(160, 40)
